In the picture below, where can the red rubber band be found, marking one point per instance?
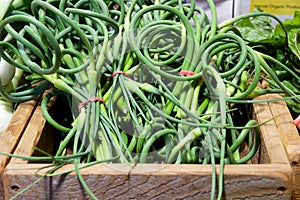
(188, 73)
(93, 99)
(115, 73)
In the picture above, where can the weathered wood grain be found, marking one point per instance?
(11, 136)
(37, 133)
(287, 130)
(31, 136)
(153, 181)
(270, 135)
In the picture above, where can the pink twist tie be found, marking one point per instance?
(93, 99)
(115, 73)
(188, 73)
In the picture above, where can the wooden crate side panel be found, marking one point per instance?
(287, 130)
(31, 137)
(11, 136)
(275, 151)
(151, 181)
(38, 133)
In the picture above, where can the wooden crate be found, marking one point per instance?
(289, 136)
(269, 176)
(10, 138)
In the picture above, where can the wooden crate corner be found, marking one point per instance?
(289, 135)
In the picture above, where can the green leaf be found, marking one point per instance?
(293, 28)
(258, 29)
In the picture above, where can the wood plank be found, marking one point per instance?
(152, 181)
(33, 134)
(270, 135)
(288, 132)
(11, 136)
